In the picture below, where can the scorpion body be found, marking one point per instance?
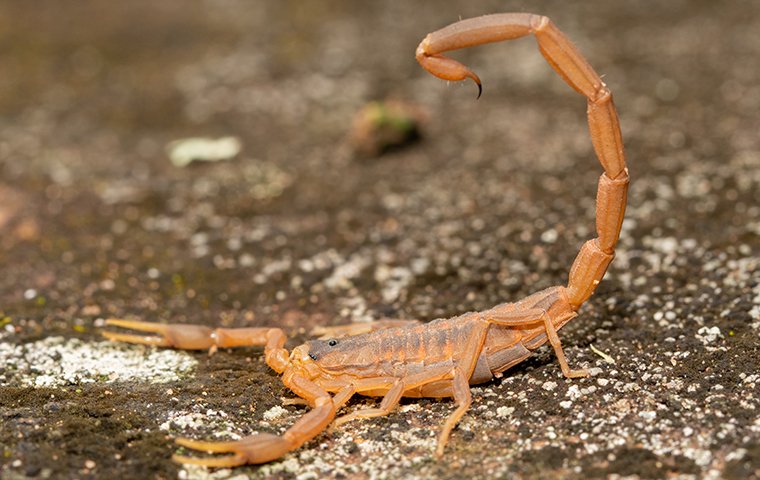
(407, 350)
(444, 357)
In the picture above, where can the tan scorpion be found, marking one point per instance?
(444, 357)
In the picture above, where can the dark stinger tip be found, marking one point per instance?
(480, 90)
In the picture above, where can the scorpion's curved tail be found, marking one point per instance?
(596, 254)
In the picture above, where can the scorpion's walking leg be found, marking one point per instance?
(389, 402)
(460, 384)
(460, 389)
(463, 398)
(396, 388)
(595, 256)
(532, 316)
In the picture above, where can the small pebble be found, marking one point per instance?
(549, 386)
(504, 412)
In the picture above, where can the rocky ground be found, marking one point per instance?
(491, 204)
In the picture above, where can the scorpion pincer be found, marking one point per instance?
(394, 359)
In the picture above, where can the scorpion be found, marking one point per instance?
(442, 358)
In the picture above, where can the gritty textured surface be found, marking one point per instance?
(491, 205)
(54, 362)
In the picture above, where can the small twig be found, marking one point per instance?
(604, 356)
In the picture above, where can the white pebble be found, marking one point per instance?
(708, 335)
(648, 415)
(274, 413)
(504, 412)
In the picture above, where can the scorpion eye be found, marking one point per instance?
(312, 356)
(332, 342)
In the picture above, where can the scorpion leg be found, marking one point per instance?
(460, 385)
(265, 447)
(341, 397)
(551, 333)
(396, 389)
(531, 316)
(389, 402)
(463, 399)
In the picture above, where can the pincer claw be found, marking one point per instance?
(260, 448)
(178, 335)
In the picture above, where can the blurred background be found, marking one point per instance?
(343, 183)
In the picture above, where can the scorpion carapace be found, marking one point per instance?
(442, 358)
